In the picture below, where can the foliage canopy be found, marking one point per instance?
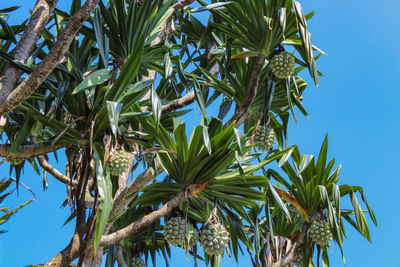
(123, 82)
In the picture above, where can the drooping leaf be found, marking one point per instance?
(104, 186)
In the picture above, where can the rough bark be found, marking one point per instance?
(120, 258)
(132, 228)
(180, 102)
(39, 75)
(182, 4)
(68, 254)
(27, 151)
(39, 18)
(90, 260)
(140, 181)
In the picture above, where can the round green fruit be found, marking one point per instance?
(320, 233)
(174, 231)
(138, 262)
(214, 239)
(194, 237)
(282, 65)
(299, 259)
(120, 162)
(264, 138)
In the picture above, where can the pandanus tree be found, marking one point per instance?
(107, 83)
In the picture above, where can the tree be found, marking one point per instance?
(106, 83)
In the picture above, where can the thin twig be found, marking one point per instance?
(27, 188)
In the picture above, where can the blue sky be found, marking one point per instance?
(355, 103)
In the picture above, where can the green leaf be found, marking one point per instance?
(96, 78)
(199, 97)
(113, 111)
(206, 139)
(157, 28)
(278, 200)
(360, 218)
(104, 186)
(156, 107)
(209, 7)
(321, 162)
(168, 66)
(101, 38)
(238, 135)
(305, 160)
(128, 73)
(325, 258)
(23, 134)
(285, 157)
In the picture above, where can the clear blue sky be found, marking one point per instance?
(356, 103)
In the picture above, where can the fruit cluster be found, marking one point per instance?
(120, 162)
(214, 239)
(320, 233)
(282, 65)
(193, 237)
(264, 138)
(175, 229)
(138, 262)
(298, 260)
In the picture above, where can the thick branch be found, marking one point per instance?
(58, 175)
(291, 255)
(120, 258)
(132, 228)
(68, 254)
(243, 112)
(38, 76)
(39, 18)
(27, 151)
(182, 4)
(140, 181)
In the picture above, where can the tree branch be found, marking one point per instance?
(187, 99)
(180, 102)
(291, 255)
(242, 113)
(182, 4)
(140, 181)
(132, 228)
(38, 76)
(27, 151)
(120, 258)
(68, 254)
(56, 174)
(39, 18)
